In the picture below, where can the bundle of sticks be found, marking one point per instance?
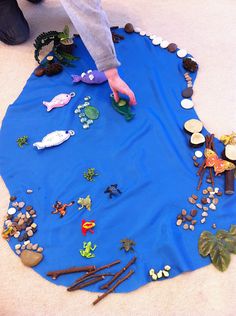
(92, 276)
(201, 171)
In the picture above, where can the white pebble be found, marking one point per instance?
(167, 268)
(154, 277)
(11, 211)
(152, 36)
(165, 273)
(204, 214)
(157, 40)
(159, 274)
(198, 154)
(142, 33)
(164, 44)
(203, 220)
(17, 246)
(187, 104)
(212, 206)
(181, 53)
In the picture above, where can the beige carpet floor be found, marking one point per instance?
(206, 28)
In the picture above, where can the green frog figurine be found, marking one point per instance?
(122, 107)
(88, 248)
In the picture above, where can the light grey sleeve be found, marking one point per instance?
(91, 23)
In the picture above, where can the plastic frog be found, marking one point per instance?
(85, 203)
(88, 248)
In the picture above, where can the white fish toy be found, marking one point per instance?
(59, 100)
(53, 139)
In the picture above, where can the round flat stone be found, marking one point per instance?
(198, 154)
(182, 53)
(164, 44)
(172, 47)
(187, 93)
(157, 40)
(30, 258)
(11, 211)
(152, 36)
(187, 104)
(91, 112)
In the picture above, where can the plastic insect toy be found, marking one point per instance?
(220, 165)
(85, 202)
(87, 226)
(112, 190)
(122, 107)
(90, 174)
(22, 141)
(88, 248)
(127, 244)
(61, 208)
(229, 139)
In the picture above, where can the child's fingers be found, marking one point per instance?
(116, 95)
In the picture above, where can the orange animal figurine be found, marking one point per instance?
(61, 208)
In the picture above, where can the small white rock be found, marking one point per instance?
(167, 267)
(26, 242)
(164, 44)
(157, 40)
(182, 53)
(165, 273)
(18, 246)
(198, 154)
(159, 274)
(204, 214)
(142, 33)
(11, 211)
(18, 252)
(212, 206)
(203, 220)
(154, 277)
(152, 36)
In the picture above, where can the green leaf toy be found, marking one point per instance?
(122, 107)
(91, 112)
(218, 246)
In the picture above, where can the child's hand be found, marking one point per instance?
(118, 85)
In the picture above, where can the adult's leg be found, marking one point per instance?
(14, 28)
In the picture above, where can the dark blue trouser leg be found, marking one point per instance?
(14, 28)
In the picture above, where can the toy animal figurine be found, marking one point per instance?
(90, 174)
(90, 77)
(8, 232)
(112, 190)
(59, 101)
(127, 244)
(122, 107)
(87, 226)
(88, 248)
(61, 208)
(54, 139)
(220, 165)
(85, 202)
(229, 139)
(22, 141)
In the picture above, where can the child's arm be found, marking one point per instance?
(92, 25)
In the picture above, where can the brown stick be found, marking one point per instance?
(116, 276)
(57, 273)
(70, 288)
(212, 177)
(84, 284)
(201, 178)
(113, 287)
(95, 271)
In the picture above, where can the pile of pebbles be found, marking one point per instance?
(160, 274)
(85, 121)
(20, 217)
(207, 202)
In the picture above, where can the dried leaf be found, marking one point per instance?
(206, 243)
(220, 257)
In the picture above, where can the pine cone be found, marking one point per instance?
(190, 64)
(53, 69)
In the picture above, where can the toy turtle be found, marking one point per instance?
(112, 190)
(122, 107)
(127, 244)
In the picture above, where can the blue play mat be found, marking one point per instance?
(149, 158)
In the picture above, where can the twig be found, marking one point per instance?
(116, 276)
(84, 284)
(74, 286)
(93, 272)
(212, 177)
(57, 273)
(113, 287)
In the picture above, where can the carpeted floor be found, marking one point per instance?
(205, 29)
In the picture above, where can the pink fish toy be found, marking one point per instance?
(90, 77)
(58, 101)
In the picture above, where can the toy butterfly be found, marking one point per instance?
(220, 165)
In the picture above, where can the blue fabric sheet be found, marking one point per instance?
(148, 157)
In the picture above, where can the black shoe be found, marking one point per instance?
(35, 1)
(14, 28)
